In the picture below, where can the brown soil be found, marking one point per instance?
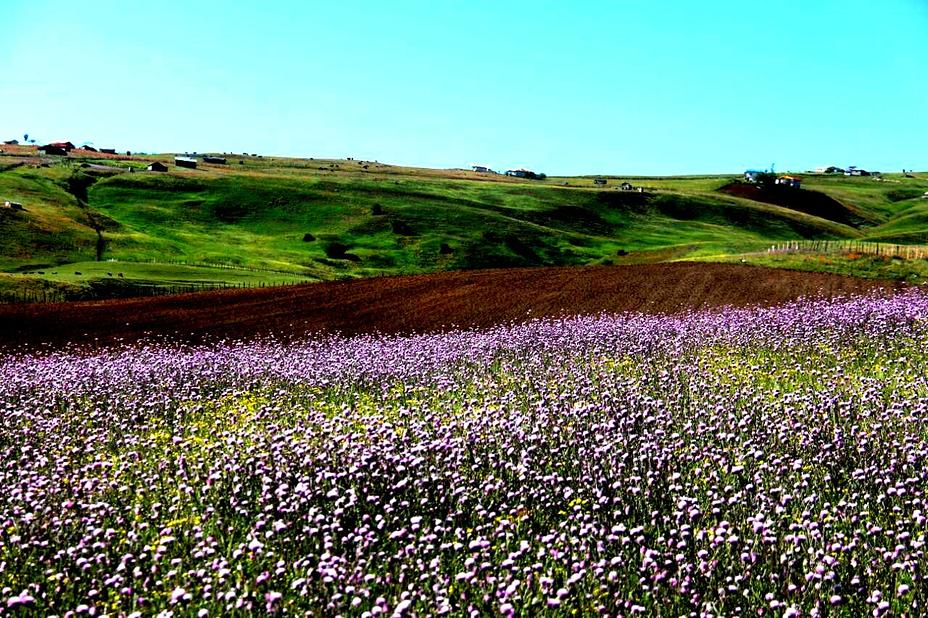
(419, 303)
(803, 200)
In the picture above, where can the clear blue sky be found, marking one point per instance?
(564, 88)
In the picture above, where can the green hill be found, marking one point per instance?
(100, 230)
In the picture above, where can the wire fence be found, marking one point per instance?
(221, 265)
(909, 252)
(131, 290)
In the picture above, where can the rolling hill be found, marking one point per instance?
(96, 228)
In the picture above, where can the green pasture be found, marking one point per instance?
(869, 266)
(80, 272)
(90, 279)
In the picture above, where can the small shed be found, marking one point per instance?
(111, 151)
(157, 166)
(57, 148)
(187, 162)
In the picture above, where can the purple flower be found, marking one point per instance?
(23, 598)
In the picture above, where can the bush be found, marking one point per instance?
(336, 250)
(339, 251)
(401, 228)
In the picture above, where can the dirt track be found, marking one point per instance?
(419, 303)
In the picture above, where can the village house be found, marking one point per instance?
(524, 173)
(482, 169)
(111, 151)
(753, 175)
(789, 181)
(57, 148)
(12, 142)
(830, 169)
(853, 170)
(187, 162)
(215, 160)
(157, 166)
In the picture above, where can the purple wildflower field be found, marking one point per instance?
(769, 462)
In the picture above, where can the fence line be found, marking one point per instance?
(135, 291)
(910, 252)
(223, 265)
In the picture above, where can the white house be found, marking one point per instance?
(789, 181)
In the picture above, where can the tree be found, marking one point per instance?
(766, 179)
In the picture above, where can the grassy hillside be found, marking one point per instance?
(400, 225)
(54, 228)
(267, 220)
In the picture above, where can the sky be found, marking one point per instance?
(566, 88)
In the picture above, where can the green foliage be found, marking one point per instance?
(766, 179)
(868, 266)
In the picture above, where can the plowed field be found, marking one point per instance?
(419, 303)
